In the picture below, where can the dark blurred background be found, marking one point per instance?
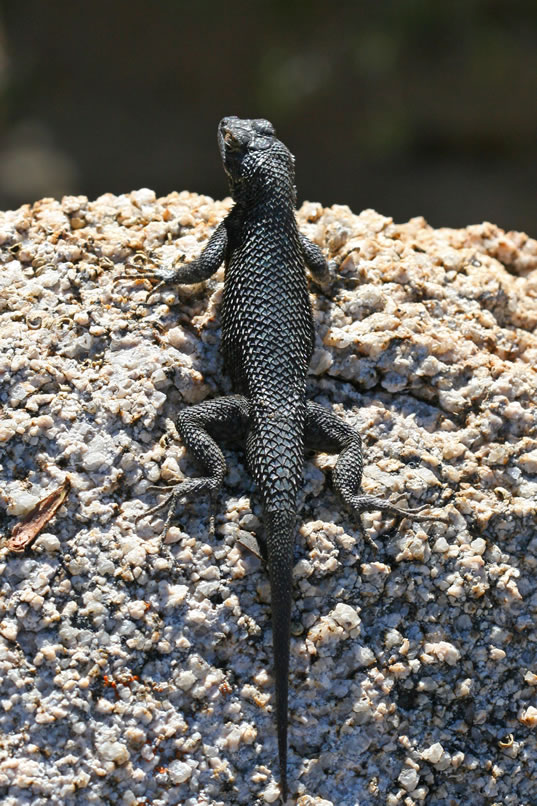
(414, 107)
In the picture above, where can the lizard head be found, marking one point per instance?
(252, 155)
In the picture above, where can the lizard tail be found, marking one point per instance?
(280, 531)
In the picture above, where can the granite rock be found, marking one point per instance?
(133, 672)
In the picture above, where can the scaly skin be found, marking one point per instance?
(267, 342)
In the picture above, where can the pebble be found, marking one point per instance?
(113, 751)
(346, 616)
(528, 716)
(442, 651)
(271, 793)
(409, 779)
(179, 772)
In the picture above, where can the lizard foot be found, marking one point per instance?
(181, 490)
(141, 267)
(367, 503)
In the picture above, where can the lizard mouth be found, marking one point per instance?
(232, 145)
(231, 138)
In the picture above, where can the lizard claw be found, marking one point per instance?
(182, 489)
(367, 503)
(156, 508)
(141, 267)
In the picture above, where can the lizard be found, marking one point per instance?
(267, 344)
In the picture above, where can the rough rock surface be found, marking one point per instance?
(135, 673)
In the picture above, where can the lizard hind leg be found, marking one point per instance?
(199, 427)
(324, 431)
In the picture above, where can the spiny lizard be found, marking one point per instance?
(267, 343)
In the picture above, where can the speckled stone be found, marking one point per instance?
(135, 672)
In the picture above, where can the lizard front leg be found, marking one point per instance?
(326, 432)
(199, 426)
(203, 267)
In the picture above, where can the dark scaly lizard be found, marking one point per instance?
(267, 342)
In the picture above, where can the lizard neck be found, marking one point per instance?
(270, 183)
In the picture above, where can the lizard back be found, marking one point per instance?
(267, 325)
